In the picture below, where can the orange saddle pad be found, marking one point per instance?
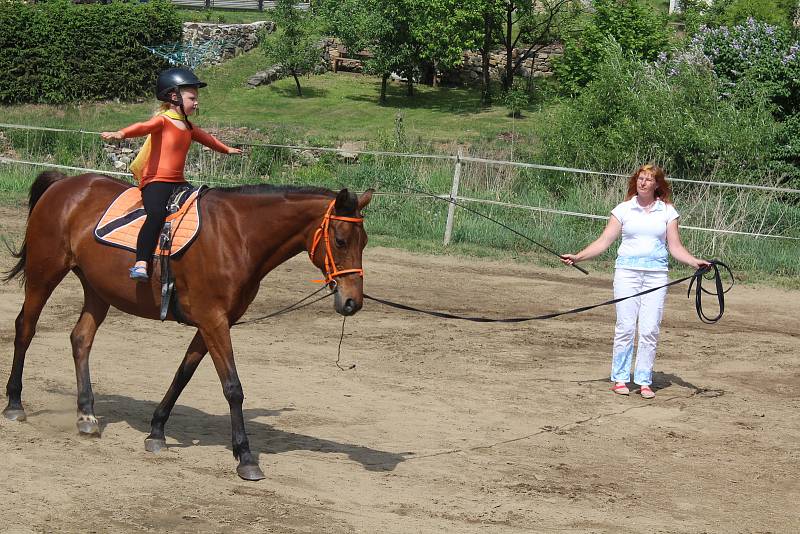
(120, 224)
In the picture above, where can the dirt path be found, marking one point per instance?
(443, 426)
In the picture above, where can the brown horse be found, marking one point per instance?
(247, 232)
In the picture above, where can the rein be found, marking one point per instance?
(697, 277)
(323, 232)
(291, 307)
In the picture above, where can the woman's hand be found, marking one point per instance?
(569, 259)
(118, 135)
(699, 264)
(232, 150)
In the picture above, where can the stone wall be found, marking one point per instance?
(469, 73)
(238, 38)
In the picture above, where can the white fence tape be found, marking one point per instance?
(603, 217)
(9, 161)
(446, 157)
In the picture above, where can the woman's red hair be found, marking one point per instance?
(663, 189)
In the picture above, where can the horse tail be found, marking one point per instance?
(39, 186)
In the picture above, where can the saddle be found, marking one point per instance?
(120, 224)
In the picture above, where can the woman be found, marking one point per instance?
(159, 166)
(648, 223)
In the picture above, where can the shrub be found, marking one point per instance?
(294, 46)
(697, 13)
(56, 52)
(674, 114)
(639, 30)
(516, 99)
(775, 12)
(754, 58)
(786, 153)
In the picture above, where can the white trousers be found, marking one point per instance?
(645, 310)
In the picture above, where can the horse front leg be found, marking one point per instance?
(92, 316)
(194, 355)
(218, 341)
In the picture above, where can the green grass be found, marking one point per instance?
(334, 107)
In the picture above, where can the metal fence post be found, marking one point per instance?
(451, 209)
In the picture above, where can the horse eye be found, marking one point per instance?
(340, 242)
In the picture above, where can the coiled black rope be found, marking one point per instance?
(720, 293)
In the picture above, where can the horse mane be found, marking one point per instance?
(270, 189)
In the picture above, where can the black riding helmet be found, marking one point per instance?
(173, 79)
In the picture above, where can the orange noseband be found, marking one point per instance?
(323, 232)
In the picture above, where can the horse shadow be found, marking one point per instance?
(191, 427)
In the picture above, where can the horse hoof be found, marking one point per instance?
(250, 472)
(154, 445)
(15, 414)
(89, 428)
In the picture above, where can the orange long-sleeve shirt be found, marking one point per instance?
(169, 145)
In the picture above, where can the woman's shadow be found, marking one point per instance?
(192, 427)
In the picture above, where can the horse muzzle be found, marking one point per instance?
(345, 305)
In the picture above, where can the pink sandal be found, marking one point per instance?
(647, 393)
(620, 388)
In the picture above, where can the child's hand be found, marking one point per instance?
(234, 151)
(112, 135)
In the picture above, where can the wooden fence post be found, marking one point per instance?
(451, 209)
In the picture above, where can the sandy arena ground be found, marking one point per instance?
(443, 426)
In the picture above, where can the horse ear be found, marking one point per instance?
(345, 202)
(364, 199)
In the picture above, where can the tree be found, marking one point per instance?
(527, 24)
(513, 24)
(639, 31)
(294, 45)
(403, 36)
(382, 28)
(442, 29)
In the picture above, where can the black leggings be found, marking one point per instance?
(155, 196)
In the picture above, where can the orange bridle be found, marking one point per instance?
(323, 232)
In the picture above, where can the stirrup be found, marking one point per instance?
(138, 272)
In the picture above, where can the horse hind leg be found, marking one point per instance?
(94, 312)
(39, 285)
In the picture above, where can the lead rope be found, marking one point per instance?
(339, 353)
(696, 277)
